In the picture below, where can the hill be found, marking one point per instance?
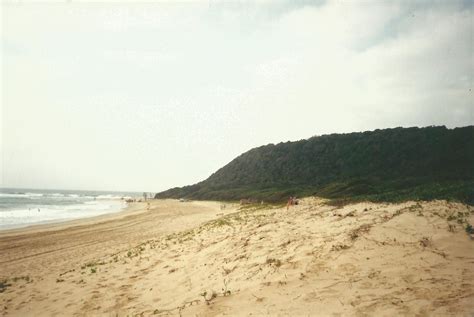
(381, 165)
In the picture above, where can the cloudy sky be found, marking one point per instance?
(143, 97)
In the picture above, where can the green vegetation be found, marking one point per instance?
(4, 282)
(274, 262)
(469, 229)
(382, 165)
(4, 285)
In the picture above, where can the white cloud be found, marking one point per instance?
(148, 96)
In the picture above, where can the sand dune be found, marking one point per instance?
(195, 259)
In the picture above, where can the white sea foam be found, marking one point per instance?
(109, 197)
(20, 195)
(38, 214)
(34, 195)
(55, 195)
(11, 195)
(19, 208)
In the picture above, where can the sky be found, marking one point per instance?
(151, 95)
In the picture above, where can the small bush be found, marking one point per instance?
(4, 285)
(18, 278)
(338, 247)
(222, 222)
(469, 229)
(274, 262)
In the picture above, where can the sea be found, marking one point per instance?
(24, 207)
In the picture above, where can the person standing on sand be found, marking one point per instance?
(290, 202)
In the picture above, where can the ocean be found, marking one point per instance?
(24, 207)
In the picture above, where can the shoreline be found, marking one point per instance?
(94, 236)
(65, 223)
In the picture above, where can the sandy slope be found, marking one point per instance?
(195, 259)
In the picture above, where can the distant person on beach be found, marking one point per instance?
(147, 206)
(291, 202)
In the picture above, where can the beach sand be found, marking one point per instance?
(194, 258)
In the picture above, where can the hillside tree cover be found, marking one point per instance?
(381, 165)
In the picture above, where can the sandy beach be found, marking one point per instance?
(196, 258)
